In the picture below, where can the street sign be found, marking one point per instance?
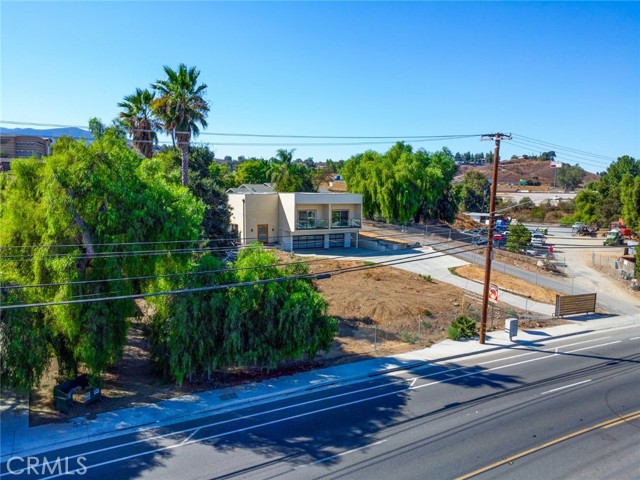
(493, 293)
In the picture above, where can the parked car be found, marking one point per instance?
(614, 237)
(537, 239)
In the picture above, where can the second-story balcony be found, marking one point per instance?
(319, 223)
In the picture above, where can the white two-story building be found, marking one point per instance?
(295, 220)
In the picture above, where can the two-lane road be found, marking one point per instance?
(552, 406)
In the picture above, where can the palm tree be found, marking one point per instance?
(138, 118)
(181, 106)
(280, 169)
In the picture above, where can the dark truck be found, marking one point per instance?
(614, 238)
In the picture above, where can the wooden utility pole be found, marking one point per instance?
(492, 221)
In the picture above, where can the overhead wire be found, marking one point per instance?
(308, 276)
(150, 277)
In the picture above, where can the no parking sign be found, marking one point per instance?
(493, 293)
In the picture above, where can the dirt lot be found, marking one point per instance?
(393, 311)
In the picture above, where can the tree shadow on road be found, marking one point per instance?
(315, 429)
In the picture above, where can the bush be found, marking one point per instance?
(454, 332)
(409, 337)
(461, 327)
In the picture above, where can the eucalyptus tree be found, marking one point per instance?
(182, 107)
(140, 121)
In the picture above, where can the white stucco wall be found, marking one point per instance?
(259, 209)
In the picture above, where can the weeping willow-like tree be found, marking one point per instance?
(70, 231)
(243, 325)
(401, 184)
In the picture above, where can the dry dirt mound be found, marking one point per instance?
(512, 171)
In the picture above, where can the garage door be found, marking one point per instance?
(336, 240)
(308, 241)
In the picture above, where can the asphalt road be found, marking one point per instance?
(490, 416)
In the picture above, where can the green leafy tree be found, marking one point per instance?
(96, 127)
(243, 325)
(208, 183)
(24, 342)
(187, 329)
(518, 238)
(287, 176)
(587, 206)
(616, 171)
(269, 323)
(474, 192)
(253, 171)
(630, 200)
(401, 184)
(570, 177)
(137, 116)
(182, 107)
(610, 207)
(97, 201)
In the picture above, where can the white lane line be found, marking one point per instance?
(566, 386)
(509, 358)
(287, 407)
(413, 382)
(347, 452)
(634, 338)
(580, 343)
(594, 346)
(189, 437)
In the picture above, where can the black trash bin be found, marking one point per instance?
(63, 392)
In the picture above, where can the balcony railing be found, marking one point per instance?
(318, 224)
(349, 223)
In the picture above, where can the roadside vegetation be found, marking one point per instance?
(104, 220)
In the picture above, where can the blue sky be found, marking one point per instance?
(563, 73)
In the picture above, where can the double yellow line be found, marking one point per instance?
(612, 422)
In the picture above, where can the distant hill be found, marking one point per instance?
(512, 171)
(53, 133)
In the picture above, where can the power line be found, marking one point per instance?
(587, 161)
(265, 135)
(151, 277)
(309, 276)
(583, 152)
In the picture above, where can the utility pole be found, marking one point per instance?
(492, 221)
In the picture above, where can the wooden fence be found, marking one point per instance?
(572, 304)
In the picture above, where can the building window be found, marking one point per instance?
(340, 218)
(307, 219)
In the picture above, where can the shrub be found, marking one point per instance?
(462, 327)
(409, 337)
(454, 332)
(427, 278)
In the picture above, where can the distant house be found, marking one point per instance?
(295, 220)
(22, 146)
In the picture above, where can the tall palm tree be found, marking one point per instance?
(181, 106)
(280, 169)
(139, 119)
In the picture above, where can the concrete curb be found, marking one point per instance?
(116, 423)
